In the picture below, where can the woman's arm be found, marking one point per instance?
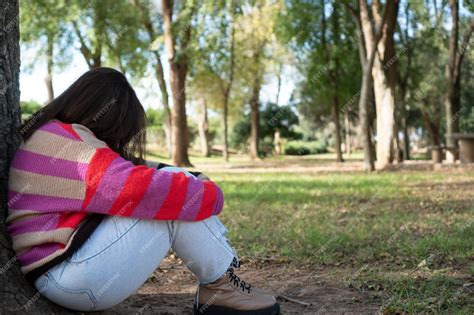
(115, 186)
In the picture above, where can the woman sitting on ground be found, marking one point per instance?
(90, 220)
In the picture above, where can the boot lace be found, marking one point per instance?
(236, 281)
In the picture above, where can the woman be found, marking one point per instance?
(90, 220)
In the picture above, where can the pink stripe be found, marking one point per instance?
(154, 196)
(40, 223)
(219, 204)
(47, 165)
(110, 186)
(21, 201)
(55, 128)
(193, 200)
(38, 252)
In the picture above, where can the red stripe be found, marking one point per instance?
(70, 219)
(175, 199)
(208, 199)
(68, 128)
(99, 163)
(132, 192)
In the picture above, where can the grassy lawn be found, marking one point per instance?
(407, 235)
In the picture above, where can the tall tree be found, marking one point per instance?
(368, 40)
(89, 27)
(177, 36)
(203, 127)
(44, 25)
(334, 71)
(255, 34)
(453, 72)
(321, 34)
(215, 60)
(384, 78)
(154, 34)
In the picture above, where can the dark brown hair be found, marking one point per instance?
(103, 101)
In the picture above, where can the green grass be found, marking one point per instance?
(387, 221)
(385, 224)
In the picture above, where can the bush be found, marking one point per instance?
(305, 147)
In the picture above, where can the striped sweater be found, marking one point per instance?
(63, 180)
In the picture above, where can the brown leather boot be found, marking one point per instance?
(229, 295)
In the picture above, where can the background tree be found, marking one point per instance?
(177, 36)
(457, 51)
(215, 58)
(255, 32)
(368, 38)
(155, 40)
(273, 118)
(45, 22)
(324, 47)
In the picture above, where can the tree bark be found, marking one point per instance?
(204, 128)
(432, 126)
(384, 76)
(347, 133)
(178, 72)
(225, 112)
(49, 77)
(364, 117)
(367, 43)
(255, 118)
(337, 124)
(453, 73)
(334, 73)
(16, 295)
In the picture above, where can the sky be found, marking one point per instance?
(32, 84)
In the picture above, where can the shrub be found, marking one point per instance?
(305, 147)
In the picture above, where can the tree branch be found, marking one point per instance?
(84, 49)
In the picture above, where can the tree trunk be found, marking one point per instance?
(367, 52)
(334, 74)
(406, 140)
(335, 119)
(432, 126)
(165, 101)
(49, 77)
(364, 118)
(397, 144)
(225, 125)
(178, 114)
(225, 112)
(178, 72)
(160, 77)
(277, 142)
(384, 76)
(452, 100)
(204, 128)
(347, 133)
(17, 296)
(255, 117)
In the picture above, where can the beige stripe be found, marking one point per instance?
(46, 143)
(43, 261)
(19, 214)
(30, 183)
(88, 136)
(23, 241)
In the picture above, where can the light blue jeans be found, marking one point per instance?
(122, 253)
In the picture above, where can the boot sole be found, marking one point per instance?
(221, 310)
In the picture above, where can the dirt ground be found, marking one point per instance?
(171, 291)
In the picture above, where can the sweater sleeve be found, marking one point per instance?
(115, 186)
